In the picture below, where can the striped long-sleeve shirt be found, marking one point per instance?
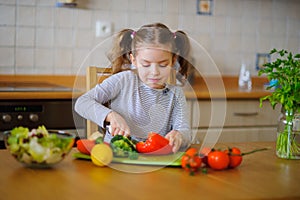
(144, 109)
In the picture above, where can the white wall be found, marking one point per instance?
(38, 38)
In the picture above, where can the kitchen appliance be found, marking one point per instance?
(52, 113)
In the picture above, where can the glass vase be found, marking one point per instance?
(288, 134)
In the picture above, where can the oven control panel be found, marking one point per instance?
(53, 114)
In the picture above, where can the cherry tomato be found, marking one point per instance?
(192, 152)
(203, 154)
(218, 160)
(190, 161)
(235, 156)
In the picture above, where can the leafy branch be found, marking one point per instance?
(286, 70)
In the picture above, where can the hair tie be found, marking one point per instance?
(174, 35)
(132, 34)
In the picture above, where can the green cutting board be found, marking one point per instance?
(160, 160)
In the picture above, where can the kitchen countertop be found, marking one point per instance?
(260, 176)
(203, 88)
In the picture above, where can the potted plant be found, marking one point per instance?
(284, 77)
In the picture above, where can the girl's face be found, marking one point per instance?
(154, 66)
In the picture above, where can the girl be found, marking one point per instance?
(140, 99)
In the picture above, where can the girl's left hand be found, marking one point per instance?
(175, 139)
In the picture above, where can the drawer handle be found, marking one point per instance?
(245, 114)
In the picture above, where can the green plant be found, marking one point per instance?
(286, 71)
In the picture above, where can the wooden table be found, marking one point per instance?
(260, 176)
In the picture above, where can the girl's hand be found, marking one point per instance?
(175, 139)
(118, 124)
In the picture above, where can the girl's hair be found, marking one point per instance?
(128, 41)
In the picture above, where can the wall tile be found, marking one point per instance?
(235, 43)
(24, 57)
(136, 20)
(263, 44)
(7, 70)
(136, 5)
(250, 8)
(250, 26)
(63, 38)
(7, 56)
(45, 17)
(221, 8)
(171, 20)
(44, 58)
(83, 38)
(279, 9)
(120, 20)
(235, 25)
(171, 6)
(7, 15)
(187, 23)
(43, 70)
(62, 58)
(97, 4)
(235, 8)
(248, 44)
(8, 2)
(279, 27)
(7, 36)
(204, 24)
(25, 16)
(293, 27)
(119, 6)
(83, 19)
(27, 2)
(45, 2)
(220, 25)
(25, 70)
(154, 6)
(265, 27)
(187, 7)
(294, 44)
(220, 43)
(25, 36)
(265, 9)
(44, 37)
(64, 17)
(79, 57)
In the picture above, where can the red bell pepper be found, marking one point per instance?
(155, 144)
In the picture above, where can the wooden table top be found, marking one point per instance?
(260, 176)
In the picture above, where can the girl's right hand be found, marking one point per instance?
(118, 124)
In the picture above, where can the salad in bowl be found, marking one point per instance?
(38, 147)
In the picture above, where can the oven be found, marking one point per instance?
(52, 113)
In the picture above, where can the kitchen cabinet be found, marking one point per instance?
(238, 120)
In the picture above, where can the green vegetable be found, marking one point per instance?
(123, 147)
(99, 140)
(286, 70)
(37, 145)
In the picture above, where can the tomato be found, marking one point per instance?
(85, 146)
(191, 163)
(235, 156)
(192, 152)
(218, 160)
(203, 154)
